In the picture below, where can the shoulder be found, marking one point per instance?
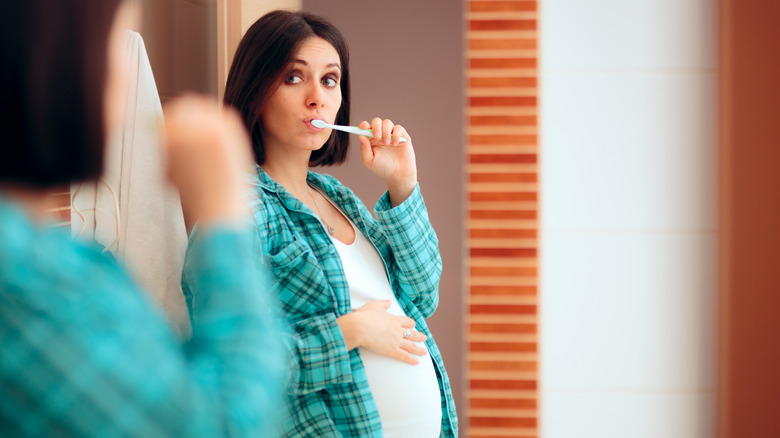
(48, 275)
(326, 181)
(334, 188)
(31, 252)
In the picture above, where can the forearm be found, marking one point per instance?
(235, 326)
(413, 242)
(349, 325)
(399, 191)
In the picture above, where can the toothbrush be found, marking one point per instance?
(351, 129)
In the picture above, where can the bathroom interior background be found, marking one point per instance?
(569, 155)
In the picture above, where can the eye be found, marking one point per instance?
(293, 78)
(330, 81)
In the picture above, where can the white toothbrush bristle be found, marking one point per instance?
(318, 123)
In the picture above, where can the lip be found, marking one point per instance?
(308, 124)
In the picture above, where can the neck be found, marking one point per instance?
(34, 201)
(291, 174)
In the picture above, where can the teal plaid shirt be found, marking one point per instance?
(329, 394)
(84, 352)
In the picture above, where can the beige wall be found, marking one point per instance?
(191, 42)
(181, 41)
(251, 10)
(233, 18)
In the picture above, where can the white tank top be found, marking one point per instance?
(407, 396)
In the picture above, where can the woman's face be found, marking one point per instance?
(310, 89)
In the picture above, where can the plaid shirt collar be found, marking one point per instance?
(339, 194)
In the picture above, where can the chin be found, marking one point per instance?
(317, 144)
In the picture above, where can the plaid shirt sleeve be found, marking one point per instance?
(415, 247)
(84, 352)
(319, 355)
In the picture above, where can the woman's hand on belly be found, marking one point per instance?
(373, 328)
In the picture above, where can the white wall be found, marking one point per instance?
(628, 218)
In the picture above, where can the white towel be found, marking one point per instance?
(148, 235)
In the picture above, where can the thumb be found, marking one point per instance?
(376, 304)
(366, 154)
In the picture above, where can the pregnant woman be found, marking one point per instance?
(355, 289)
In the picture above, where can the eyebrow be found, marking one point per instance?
(301, 61)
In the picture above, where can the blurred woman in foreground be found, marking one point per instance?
(84, 352)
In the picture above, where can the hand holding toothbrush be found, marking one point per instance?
(389, 158)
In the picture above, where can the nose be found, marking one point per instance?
(315, 96)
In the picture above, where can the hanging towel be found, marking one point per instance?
(132, 211)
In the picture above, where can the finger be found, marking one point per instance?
(398, 132)
(414, 335)
(403, 356)
(414, 348)
(382, 304)
(387, 131)
(376, 128)
(407, 322)
(417, 336)
(375, 305)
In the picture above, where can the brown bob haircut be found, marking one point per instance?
(263, 55)
(53, 63)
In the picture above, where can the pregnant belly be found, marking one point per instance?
(406, 396)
